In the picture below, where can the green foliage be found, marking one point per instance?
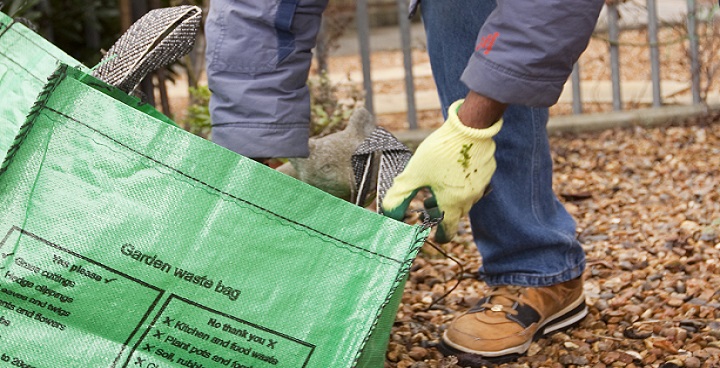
(79, 27)
(329, 112)
(330, 105)
(197, 121)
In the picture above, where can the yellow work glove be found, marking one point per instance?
(456, 163)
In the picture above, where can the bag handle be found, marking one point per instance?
(157, 39)
(381, 155)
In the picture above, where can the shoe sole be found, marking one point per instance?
(560, 322)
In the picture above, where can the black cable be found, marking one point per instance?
(459, 275)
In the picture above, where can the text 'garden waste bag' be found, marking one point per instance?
(128, 242)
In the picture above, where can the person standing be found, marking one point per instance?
(497, 67)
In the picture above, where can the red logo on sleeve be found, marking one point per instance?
(487, 42)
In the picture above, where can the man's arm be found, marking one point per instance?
(524, 54)
(527, 48)
(480, 112)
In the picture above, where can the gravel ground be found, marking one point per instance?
(647, 202)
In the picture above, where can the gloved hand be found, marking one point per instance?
(329, 166)
(456, 163)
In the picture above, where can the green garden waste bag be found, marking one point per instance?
(26, 62)
(128, 242)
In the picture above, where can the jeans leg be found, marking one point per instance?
(524, 234)
(451, 27)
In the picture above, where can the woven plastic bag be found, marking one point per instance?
(26, 59)
(127, 242)
(26, 62)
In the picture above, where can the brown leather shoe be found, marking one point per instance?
(503, 324)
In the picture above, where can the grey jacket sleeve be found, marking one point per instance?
(259, 56)
(527, 48)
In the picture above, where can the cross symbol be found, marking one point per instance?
(168, 320)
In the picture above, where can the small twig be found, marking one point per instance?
(600, 262)
(608, 337)
(650, 321)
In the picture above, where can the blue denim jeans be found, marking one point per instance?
(524, 234)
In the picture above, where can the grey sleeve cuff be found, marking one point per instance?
(264, 140)
(505, 86)
(526, 49)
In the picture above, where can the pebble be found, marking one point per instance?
(571, 345)
(610, 357)
(533, 349)
(681, 334)
(634, 354)
(572, 359)
(635, 310)
(603, 345)
(418, 353)
(701, 354)
(693, 362)
(673, 363)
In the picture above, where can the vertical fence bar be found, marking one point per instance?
(363, 26)
(654, 52)
(576, 95)
(694, 53)
(321, 52)
(407, 62)
(614, 33)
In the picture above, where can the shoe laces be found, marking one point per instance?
(504, 299)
